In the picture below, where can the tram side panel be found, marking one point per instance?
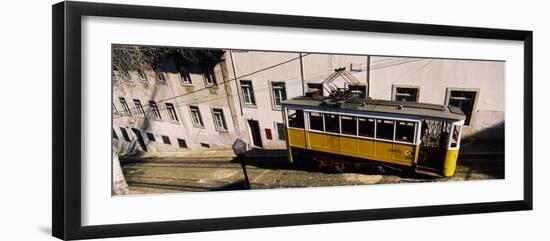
(358, 147)
(348, 145)
(404, 152)
(389, 151)
(449, 166)
(451, 157)
(332, 143)
(296, 138)
(365, 147)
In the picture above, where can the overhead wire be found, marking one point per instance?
(227, 81)
(252, 73)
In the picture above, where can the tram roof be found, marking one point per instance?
(381, 106)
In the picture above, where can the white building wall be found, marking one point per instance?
(247, 62)
(435, 76)
(181, 95)
(317, 67)
(314, 67)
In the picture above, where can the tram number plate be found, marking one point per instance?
(395, 150)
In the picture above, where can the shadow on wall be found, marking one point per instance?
(487, 140)
(483, 152)
(128, 57)
(166, 59)
(134, 147)
(495, 131)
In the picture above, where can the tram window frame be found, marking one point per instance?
(318, 123)
(381, 129)
(332, 122)
(399, 130)
(368, 133)
(456, 143)
(300, 122)
(348, 129)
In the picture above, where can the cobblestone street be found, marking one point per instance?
(183, 175)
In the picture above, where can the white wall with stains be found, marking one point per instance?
(434, 77)
(198, 94)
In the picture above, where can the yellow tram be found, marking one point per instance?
(420, 136)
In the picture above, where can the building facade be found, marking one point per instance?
(198, 109)
(174, 108)
(282, 76)
(477, 87)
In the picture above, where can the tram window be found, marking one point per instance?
(404, 131)
(296, 118)
(332, 123)
(316, 121)
(384, 129)
(349, 125)
(366, 127)
(455, 136)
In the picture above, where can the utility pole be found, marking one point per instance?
(368, 76)
(236, 80)
(302, 75)
(230, 99)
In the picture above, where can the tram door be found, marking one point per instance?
(433, 145)
(255, 132)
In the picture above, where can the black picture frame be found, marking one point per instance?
(67, 137)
